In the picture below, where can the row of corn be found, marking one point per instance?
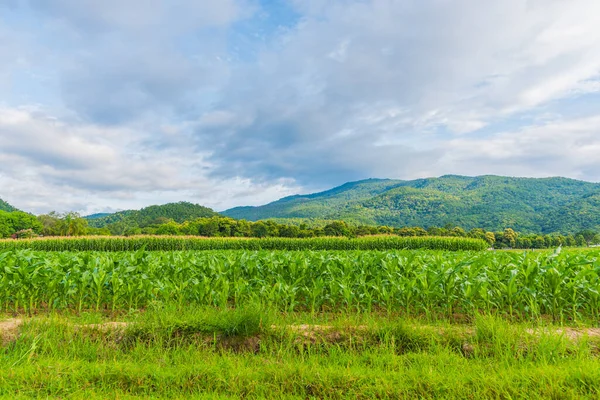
(528, 284)
(170, 243)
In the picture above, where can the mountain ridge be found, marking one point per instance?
(552, 204)
(4, 206)
(178, 212)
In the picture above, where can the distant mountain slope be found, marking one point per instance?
(4, 206)
(178, 212)
(317, 205)
(490, 202)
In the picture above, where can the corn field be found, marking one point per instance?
(171, 243)
(561, 284)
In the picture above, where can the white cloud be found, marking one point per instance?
(553, 148)
(148, 101)
(46, 164)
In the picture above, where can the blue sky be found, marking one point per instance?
(117, 104)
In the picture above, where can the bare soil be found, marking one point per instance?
(9, 330)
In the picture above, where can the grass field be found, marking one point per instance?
(187, 352)
(300, 324)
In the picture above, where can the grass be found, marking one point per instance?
(172, 352)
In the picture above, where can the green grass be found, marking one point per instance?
(367, 356)
(171, 243)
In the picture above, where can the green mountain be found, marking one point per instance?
(178, 212)
(491, 202)
(4, 206)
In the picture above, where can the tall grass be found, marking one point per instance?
(386, 358)
(169, 243)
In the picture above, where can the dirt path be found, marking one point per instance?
(9, 330)
(573, 334)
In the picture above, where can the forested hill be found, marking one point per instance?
(4, 206)
(543, 205)
(178, 212)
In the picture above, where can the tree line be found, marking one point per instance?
(18, 224)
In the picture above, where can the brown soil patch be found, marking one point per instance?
(310, 334)
(573, 334)
(9, 330)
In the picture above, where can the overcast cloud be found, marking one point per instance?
(112, 104)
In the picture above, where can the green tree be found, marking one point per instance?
(590, 237)
(509, 237)
(490, 238)
(260, 229)
(580, 241)
(337, 228)
(170, 228)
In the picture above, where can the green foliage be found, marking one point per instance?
(492, 203)
(128, 221)
(160, 243)
(15, 221)
(4, 206)
(524, 285)
(69, 224)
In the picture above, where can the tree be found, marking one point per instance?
(457, 231)
(289, 231)
(590, 236)
(170, 228)
(337, 228)
(539, 242)
(260, 229)
(525, 243)
(208, 227)
(490, 238)
(510, 237)
(73, 224)
(69, 224)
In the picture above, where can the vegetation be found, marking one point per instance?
(325, 299)
(4, 206)
(493, 203)
(166, 243)
(17, 223)
(564, 285)
(132, 222)
(20, 225)
(301, 324)
(183, 352)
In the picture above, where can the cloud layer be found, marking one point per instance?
(117, 104)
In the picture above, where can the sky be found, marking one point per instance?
(119, 104)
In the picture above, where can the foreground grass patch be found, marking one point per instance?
(171, 352)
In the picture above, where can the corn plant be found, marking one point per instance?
(174, 243)
(561, 284)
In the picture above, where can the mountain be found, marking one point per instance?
(537, 205)
(4, 206)
(178, 212)
(97, 216)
